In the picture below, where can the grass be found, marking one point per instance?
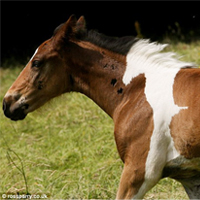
(66, 150)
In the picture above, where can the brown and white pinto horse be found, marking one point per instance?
(153, 98)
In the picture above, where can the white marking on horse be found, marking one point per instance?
(160, 70)
(13, 94)
(34, 54)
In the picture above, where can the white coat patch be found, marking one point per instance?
(160, 70)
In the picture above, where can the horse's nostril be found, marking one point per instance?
(25, 106)
(17, 96)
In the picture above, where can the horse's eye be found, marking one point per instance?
(36, 63)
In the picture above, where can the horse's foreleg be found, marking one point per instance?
(131, 181)
(133, 184)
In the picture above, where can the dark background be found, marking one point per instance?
(25, 25)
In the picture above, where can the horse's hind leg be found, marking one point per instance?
(192, 187)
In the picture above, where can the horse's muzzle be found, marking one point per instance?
(14, 111)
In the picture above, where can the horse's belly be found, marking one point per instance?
(182, 168)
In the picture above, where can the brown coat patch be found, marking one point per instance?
(185, 126)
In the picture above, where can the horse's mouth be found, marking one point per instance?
(15, 112)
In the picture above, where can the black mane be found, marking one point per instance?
(119, 45)
(115, 44)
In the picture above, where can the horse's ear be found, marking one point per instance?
(81, 24)
(72, 27)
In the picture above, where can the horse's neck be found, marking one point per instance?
(98, 74)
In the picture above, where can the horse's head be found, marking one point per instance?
(46, 75)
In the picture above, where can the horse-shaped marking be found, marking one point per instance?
(153, 98)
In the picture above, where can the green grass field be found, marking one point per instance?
(66, 150)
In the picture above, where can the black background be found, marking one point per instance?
(25, 25)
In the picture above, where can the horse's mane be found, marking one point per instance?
(119, 45)
(148, 52)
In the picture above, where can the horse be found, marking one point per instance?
(152, 97)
